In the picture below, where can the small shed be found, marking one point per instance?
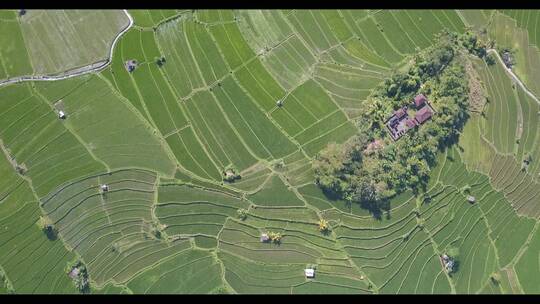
(310, 272)
(74, 273)
(61, 115)
(449, 266)
(447, 262)
(264, 238)
(279, 103)
(131, 65)
(104, 187)
(471, 199)
(229, 174)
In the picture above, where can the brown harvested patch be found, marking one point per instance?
(512, 279)
(477, 98)
(374, 146)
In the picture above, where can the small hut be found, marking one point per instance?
(309, 272)
(447, 262)
(131, 65)
(74, 273)
(61, 115)
(230, 175)
(104, 188)
(279, 103)
(265, 238)
(471, 199)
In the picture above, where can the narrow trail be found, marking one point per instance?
(94, 67)
(514, 76)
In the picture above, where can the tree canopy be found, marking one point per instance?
(349, 172)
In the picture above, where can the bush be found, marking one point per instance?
(495, 278)
(490, 59)
(242, 213)
(324, 226)
(48, 228)
(160, 61)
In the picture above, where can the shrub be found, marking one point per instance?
(48, 228)
(242, 213)
(490, 59)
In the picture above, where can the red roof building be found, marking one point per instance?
(401, 112)
(423, 114)
(419, 100)
(411, 123)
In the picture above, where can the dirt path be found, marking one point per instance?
(94, 67)
(516, 79)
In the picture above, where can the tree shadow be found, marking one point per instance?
(51, 233)
(326, 232)
(376, 209)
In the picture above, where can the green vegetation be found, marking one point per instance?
(49, 42)
(242, 213)
(371, 178)
(78, 273)
(213, 152)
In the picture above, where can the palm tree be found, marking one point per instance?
(275, 237)
(323, 225)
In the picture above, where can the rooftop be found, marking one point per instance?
(411, 123)
(423, 114)
(310, 273)
(401, 112)
(419, 100)
(74, 272)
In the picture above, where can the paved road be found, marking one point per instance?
(516, 79)
(94, 67)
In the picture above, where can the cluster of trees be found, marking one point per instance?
(48, 228)
(348, 172)
(81, 280)
(275, 237)
(470, 41)
(160, 61)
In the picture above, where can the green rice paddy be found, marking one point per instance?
(260, 91)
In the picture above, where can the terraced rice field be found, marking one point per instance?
(260, 91)
(50, 42)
